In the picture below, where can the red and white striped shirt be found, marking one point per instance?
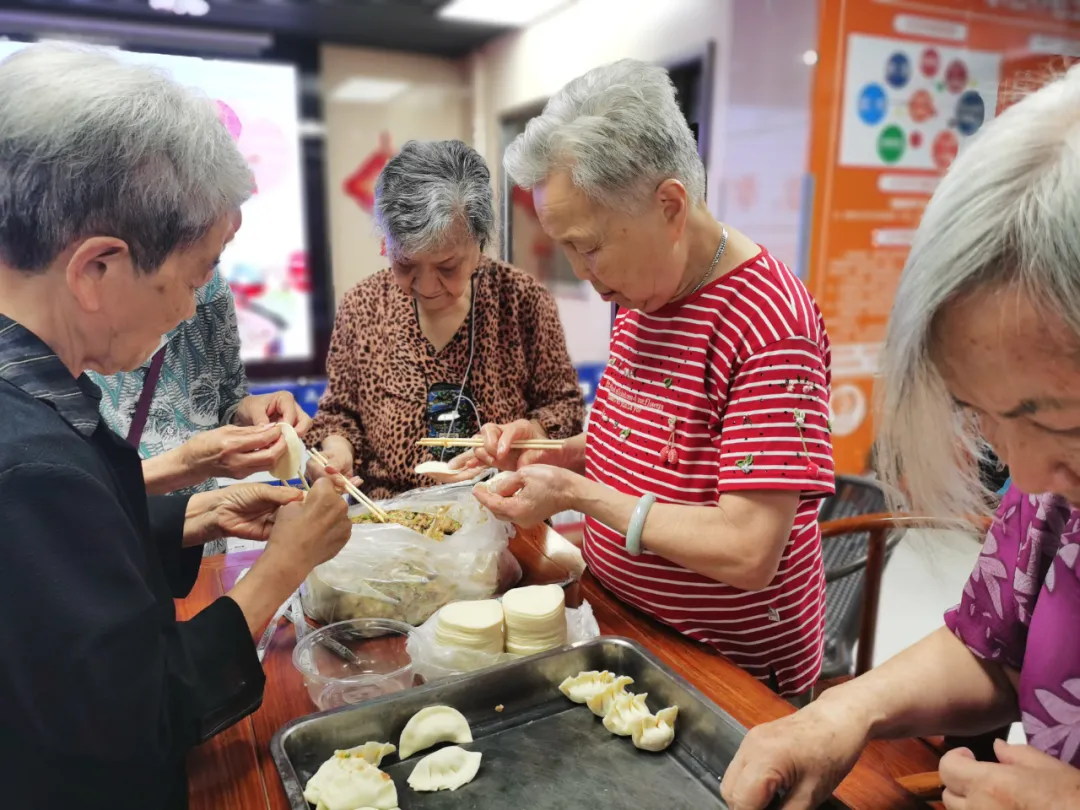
(724, 391)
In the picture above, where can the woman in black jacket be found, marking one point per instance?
(118, 189)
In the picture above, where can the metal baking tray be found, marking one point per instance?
(541, 752)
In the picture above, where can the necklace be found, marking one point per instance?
(715, 261)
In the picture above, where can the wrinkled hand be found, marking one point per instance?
(339, 453)
(234, 452)
(280, 406)
(807, 754)
(1024, 778)
(248, 511)
(315, 530)
(497, 449)
(529, 496)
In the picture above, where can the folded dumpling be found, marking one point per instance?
(447, 769)
(372, 752)
(600, 703)
(656, 732)
(579, 688)
(431, 726)
(627, 710)
(347, 782)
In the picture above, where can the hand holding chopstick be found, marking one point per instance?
(360, 497)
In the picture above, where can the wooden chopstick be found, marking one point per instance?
(373, 507)
(526, 444)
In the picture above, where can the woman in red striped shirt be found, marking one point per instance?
(708, 447)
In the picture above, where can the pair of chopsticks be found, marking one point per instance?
(361, 498)
(526, 444)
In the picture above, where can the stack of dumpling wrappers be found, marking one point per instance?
(472, 626)
(535, 619)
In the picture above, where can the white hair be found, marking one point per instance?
(1006, 213)
(428, 190)
(619, 131)
(91, 145)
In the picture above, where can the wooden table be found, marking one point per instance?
(234, 771)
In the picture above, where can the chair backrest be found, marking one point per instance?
(845, 560)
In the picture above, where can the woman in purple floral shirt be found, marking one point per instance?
(983, 351)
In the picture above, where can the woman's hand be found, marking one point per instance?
(1024, 778)
(338, 452)
(529, 496)
(310, 533)
(233, 452)
(280, 406)
(249, 511)
(807, 754)
(497, 450)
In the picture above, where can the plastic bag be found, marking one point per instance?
(433, 660)
(389, 571)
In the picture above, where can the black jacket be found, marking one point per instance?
(102, 691)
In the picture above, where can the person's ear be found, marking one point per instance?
(96, 264)
(674, 204)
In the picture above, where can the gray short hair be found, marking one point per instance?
(619, 131)
(91, 145)
(430, 188)
(1007, 213)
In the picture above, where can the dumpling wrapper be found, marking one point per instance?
(347, 782)
(579, 688)
(447, 769)
(431, 726)
(287, 467)
(434, 468)
(626, 712)
(600, 704)
(656, 732)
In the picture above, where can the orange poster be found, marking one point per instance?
(902, 86)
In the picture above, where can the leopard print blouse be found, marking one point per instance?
(381, 368)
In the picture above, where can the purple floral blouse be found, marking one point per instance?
(1017, 606)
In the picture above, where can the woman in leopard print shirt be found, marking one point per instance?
(446, 339)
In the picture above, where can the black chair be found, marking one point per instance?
(847, 547)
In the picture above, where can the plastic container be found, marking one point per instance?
(379, 663)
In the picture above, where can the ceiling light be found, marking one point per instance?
(516, 13)
(810, 58)
(362, 90)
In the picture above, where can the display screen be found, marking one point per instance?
(266, 264)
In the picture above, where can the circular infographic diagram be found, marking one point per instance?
(898, 70)
(873, 104)
(913, 105)
(891, 144)
(970, 113)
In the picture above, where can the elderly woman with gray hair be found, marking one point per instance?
(982, 350)
(708, 445)
(445, 339)
(118, 191)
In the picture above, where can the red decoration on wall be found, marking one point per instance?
(360, 185)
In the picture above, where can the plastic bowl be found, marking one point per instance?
(381, 666)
